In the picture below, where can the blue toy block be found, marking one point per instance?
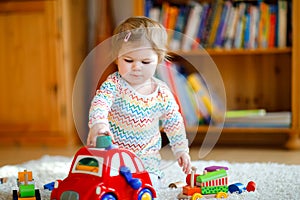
(49, 186)
(135, 183)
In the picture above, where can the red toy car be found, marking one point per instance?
(100, 174)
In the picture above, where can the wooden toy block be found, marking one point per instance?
(188, 190)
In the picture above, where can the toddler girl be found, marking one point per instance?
(132, 105)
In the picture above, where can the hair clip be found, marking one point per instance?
(127, 37)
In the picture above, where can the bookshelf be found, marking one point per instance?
(262, 77)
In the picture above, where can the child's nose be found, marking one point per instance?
(137, 65)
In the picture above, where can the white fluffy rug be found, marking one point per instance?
(273, 181)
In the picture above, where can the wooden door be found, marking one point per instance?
(31, 83)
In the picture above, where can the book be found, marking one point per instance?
(200, 34)
(210, 20)
(246, 39)
(175, 42)
(165, 13)
(254, 20)
(216, 18)
(203, 96)
(223, 24)
(192, 26)
(245, 113)
(239, 31)
(268, 120)
(264, 25)
(154, 14)
(148, 5)
(172, 16)
(230, 30)
(282, 23)
(273, 22)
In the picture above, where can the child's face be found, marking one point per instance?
(138, 66)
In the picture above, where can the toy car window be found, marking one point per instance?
(139, 164)
(89, 165)
(128, 162)
(115, 165)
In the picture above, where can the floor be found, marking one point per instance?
(17, 155)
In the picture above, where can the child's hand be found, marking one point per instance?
(98, 130)
(184, 161)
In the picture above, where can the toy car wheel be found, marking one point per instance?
(145, 194)
(37, 195)
(196, 196)
(221, 195)
(15, 195)
(108, 197)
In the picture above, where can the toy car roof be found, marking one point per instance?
(100, 151)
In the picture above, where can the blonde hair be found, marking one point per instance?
(139, 31)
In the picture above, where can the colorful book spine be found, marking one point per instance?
(199, 38)
(215, 21)
(175, 41)
(264, 25)
(230, 30)
(238, 38)
(254, 20)
(192, 26)
(223, 24)
(273, 22)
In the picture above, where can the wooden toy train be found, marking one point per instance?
(213, 183)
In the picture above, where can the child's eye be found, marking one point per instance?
(146, 62)
(128, 60)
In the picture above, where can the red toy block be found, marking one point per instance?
(188, 179)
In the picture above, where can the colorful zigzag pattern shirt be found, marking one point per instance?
(135, 119)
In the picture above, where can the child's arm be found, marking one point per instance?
(100, 106)
(174, 128)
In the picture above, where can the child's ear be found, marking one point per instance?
(116, 61)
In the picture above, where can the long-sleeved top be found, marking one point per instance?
(135, 119)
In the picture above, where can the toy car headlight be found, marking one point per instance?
(56, 183)
(98, 190)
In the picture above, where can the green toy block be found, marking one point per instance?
(211, 176)
(27, 190)
(103, 141)
(214, 189)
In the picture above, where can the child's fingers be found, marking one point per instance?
(185, 163)
(180, 162)
(91, 141)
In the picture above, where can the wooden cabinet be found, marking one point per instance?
(36, 73)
